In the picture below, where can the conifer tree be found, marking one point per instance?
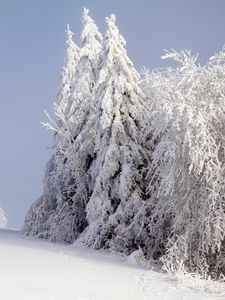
(70, 216)
(118, 169)
(41, 216)
(74, 137)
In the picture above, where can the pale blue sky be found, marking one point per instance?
(32, 45)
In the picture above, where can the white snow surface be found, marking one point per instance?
(37, 270)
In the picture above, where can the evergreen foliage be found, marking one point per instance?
(120, 155)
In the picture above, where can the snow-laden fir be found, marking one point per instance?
(138, 159)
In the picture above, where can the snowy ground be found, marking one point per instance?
(39, 270)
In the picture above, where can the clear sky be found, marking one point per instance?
(32, 46)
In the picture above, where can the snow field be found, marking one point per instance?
(39, 270)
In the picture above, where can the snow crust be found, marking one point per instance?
(40, 270)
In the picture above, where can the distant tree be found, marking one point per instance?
(117, 172)
(3, 221)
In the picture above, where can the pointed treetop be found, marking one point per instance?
(113, 30)
(69, 34)
(85, 17)
(90, 30)
(85, 13)
(71, 59)
(115, 59)
(111, 19)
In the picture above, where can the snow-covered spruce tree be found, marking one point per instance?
(40, 218)
(118, 170)
(76, 142)
(82, 113)
(63, 227)
(3, 221)
(74, 138)
(187, 172)
(86, 74)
